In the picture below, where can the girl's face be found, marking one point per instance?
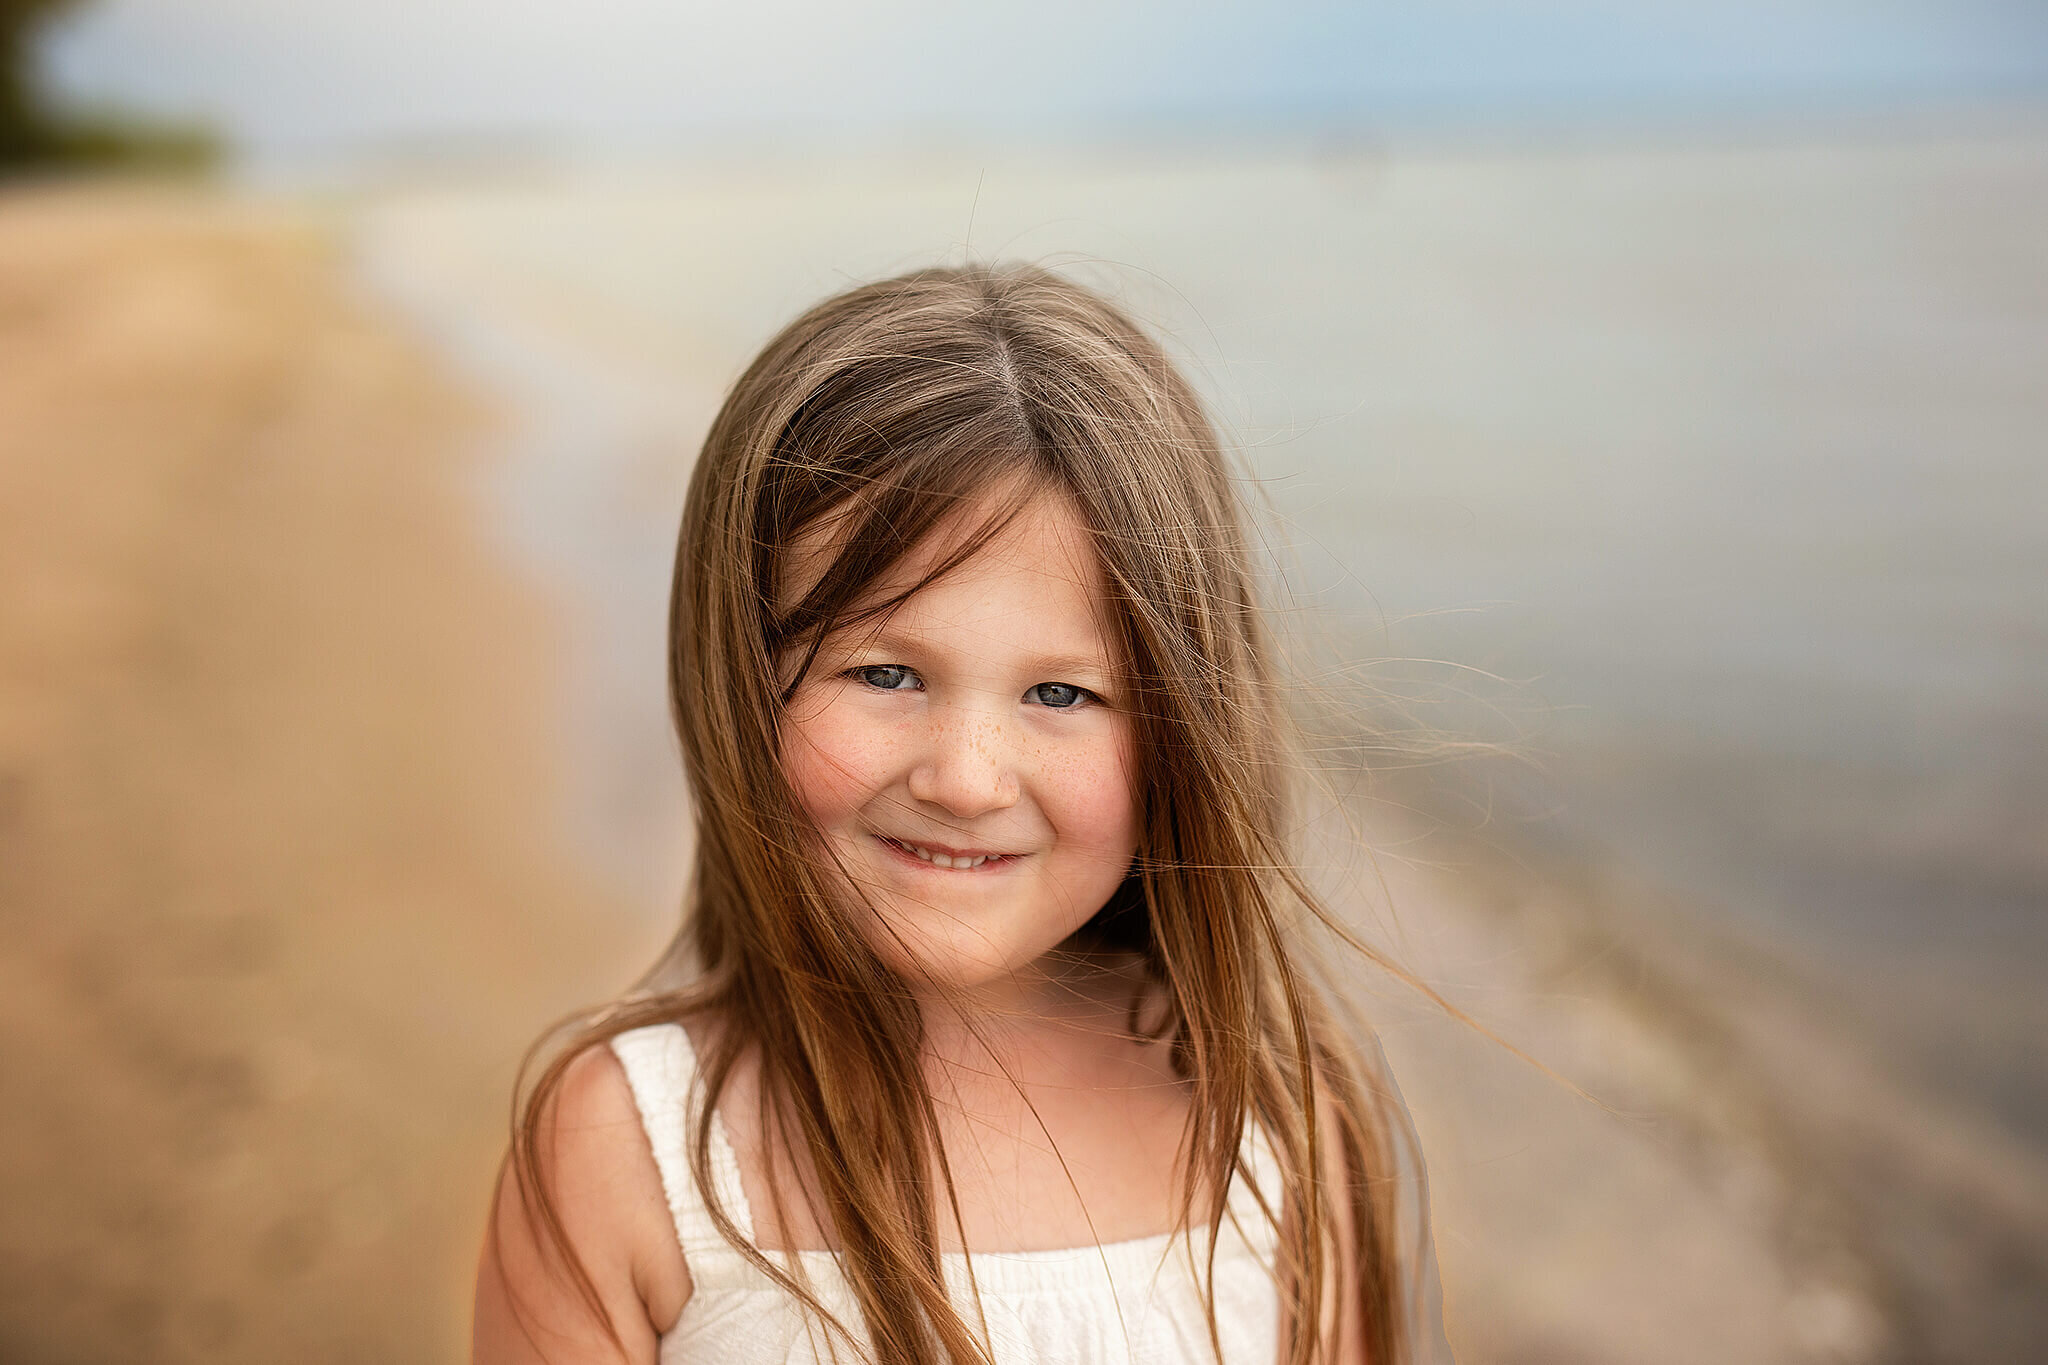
(965, 758)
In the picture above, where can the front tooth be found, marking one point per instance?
(942, 860)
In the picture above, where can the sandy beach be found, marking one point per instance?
(320, 759)
(281, 898)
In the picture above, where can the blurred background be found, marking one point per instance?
(1646, 406)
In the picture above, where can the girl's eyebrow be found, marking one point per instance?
(1053, 667)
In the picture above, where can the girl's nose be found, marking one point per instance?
(967, 768)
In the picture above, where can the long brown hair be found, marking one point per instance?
(887, 409)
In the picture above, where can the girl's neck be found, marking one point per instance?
(1012, 1028)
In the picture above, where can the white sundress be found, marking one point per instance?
(1128, 1303)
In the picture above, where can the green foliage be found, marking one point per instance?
(32, 136)
(110, 140)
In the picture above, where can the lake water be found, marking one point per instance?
(1712, 476)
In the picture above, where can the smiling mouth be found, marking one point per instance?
(952, 862)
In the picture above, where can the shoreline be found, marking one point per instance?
(1909, 1225)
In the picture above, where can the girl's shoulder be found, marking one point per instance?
(600, 1187)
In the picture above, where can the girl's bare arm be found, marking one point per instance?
(607, 1192)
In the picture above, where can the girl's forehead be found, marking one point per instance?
(1027, 602)
(1038, 534)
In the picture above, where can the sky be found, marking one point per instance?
(319, 76)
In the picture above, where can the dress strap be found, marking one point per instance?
(661, 1067)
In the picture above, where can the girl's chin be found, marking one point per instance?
(948, 964)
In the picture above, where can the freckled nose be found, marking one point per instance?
(968, 767)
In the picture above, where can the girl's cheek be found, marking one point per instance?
(834, 765)
(1098, 788)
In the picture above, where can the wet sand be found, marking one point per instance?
(1755, 1177)
(280, 889)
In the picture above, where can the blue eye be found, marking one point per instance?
(1059, 696)
(885, 677)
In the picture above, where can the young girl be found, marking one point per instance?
(990, 1042)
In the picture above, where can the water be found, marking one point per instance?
(1714, 471)
(1737, 456)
